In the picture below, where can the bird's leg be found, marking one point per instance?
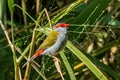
(57, 65)
(55, 58)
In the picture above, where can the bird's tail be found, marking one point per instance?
(33, 57)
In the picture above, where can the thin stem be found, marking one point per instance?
(27, 72)
(23, 54)
(12, 30)
(48, 18)
(17, 75)
(17, 71)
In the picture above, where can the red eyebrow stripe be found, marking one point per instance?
(62, 25)
(65, 25)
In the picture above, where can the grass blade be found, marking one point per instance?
(86, 61)
(68, 67)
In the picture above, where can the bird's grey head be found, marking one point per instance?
(61, 27)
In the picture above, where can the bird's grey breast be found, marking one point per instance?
(62, 41)
(59, 45)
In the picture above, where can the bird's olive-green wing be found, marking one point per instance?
(50, 40)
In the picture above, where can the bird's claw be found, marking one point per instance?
(56, 60)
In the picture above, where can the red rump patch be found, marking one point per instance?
(38, 53)
(61, 25)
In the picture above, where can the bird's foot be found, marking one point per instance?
(57, 65)
(56, 60)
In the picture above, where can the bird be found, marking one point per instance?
(54, 43)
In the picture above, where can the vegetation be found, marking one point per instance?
(91, 53)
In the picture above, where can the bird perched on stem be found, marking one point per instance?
(54, 43)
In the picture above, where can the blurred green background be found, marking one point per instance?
(94, 31)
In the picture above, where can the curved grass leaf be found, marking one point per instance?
(91, 12)
(68, 67)
(11, 5)
(65, 11)
(86, 61)
(110, 21)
